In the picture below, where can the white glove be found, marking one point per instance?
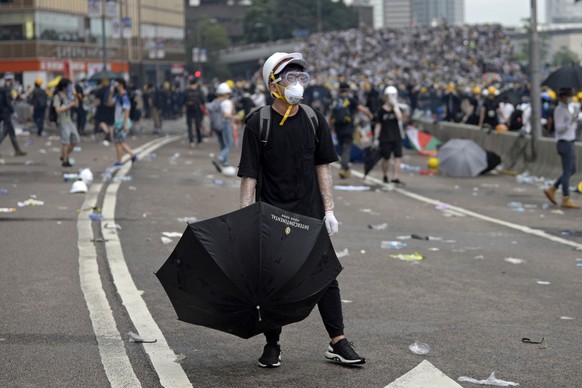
(331, 223)
(376, 143)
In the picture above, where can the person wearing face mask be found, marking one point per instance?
(565, 122)
(288, 166)
(64, 101)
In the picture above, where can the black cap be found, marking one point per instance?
(344, 86)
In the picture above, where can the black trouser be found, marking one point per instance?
(197, 117)
(345, 138)
(38, 117)
(330, 308)
(8, 130)
(567, 151)
(81, 120)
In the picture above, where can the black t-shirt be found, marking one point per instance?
(351, 109)
(490, 107)
(288, 160)
(390, 128)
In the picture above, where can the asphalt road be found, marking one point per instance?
(470, 305)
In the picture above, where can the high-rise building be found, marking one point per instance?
(425, 12)
(143, 39)
(563, 11)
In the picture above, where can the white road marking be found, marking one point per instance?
(521, 228)
(162, 357)
(111, 347)
(424, 375)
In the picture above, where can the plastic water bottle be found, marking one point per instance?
(4, 192)
(393, 245)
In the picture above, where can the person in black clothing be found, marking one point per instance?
(39, 102)
(387, 135)
(80, 110)
(193, 100)
(6, 110)
(293, 164)
(488, 117)
(342, 118)
(105, 113)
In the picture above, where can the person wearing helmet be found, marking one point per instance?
(288, 166)
(343, 110)
(387, 134)
(222, 115)
(39, 102)
(488, 116)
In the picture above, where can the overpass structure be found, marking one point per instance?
(245, 61)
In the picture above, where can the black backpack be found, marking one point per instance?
(52, 115)
(193, 99)
(341, 111)
(516, 119)
(40, 99)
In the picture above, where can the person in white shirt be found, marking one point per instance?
(565, 122)
(505, 110)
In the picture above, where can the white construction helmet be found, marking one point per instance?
(277, 62)
(79, 187)
(391, 91)
(223, 88)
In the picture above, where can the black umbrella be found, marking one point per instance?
(254, 269)
(513, 96)
(567, 77)
(105, 74)
(371, 157)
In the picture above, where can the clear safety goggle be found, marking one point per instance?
(293, 77)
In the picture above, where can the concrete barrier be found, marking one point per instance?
(514, 149)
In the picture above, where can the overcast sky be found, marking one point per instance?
(506, 12)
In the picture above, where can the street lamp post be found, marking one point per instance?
(534, 78)
(103, 36)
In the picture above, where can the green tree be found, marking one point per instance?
(280, 19)
(565, 57)
(208, 34)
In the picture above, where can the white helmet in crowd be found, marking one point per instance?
(277, 62)
(391, 92)
(223, 88)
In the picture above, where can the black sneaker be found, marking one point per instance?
(66, 164)
(271, 357)
(385, 180)
(397, 182)
(344, 353)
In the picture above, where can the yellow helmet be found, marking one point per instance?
(492, 90)
(579, 95)
(39, 81)
(476, 90)
(230, 83)
(552, 94)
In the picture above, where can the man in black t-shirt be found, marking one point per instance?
(387, 134)
(194, 98)
(488, 116)
(292, 165)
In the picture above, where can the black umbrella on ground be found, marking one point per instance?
(105, 74)
(371, 157)
(567, 77)
(257, 268)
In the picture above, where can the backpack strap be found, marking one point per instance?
(313, 120)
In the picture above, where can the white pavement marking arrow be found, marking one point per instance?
(424, 375)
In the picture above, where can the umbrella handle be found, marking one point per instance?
(259, 312)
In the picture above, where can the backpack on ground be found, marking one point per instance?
(265, 121)
(52, 115)
(516, 119)
(341, 112)
(217, 120)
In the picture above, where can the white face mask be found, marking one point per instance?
(294, 93)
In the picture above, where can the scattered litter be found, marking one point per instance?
(442, 206)
(30, 202)
(363, 251)
(514, 260)
(557, 211)
(409, 257)
(79, 187)
(172, 234)
(490, 381)
(42, 151)
(543, 283)
(516, 206)
(434, 249)
(106, 143)
(86, 175)
(479, 257)
(529, 341)
(70, 177)
(579, 265)
(346, 301)
(343, 253)
(352, 188)
(136, 338)
(187, 220)
(419, 237)
(29, 162)
(379, 226)
(77, 149)
(450, 241)
(393, 245)
(95, 216)
(419, 348)
(407, 237)
(4, 192)
(565, 318)
(410, 168)
(132, 188)
(530, 206)
(166, 240)
(122, 178)
(112, 226)
(218, 182)
(175, 157)
(179, 358)
(7, 209)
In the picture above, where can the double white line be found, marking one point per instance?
(115, 361)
